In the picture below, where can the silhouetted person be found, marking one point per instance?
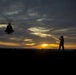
(9, 29)
(61, 43)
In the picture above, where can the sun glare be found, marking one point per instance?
(44, 45)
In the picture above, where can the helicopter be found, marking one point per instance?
(9, 29)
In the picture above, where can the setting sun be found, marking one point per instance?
(44, 45)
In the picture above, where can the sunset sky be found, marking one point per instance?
(37, 23)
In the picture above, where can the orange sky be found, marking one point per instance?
(41, 46)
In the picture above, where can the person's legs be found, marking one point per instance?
(63, 47)
(59, 46)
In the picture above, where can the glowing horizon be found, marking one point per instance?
(32, 45)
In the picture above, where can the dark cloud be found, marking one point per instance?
(60, 15)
